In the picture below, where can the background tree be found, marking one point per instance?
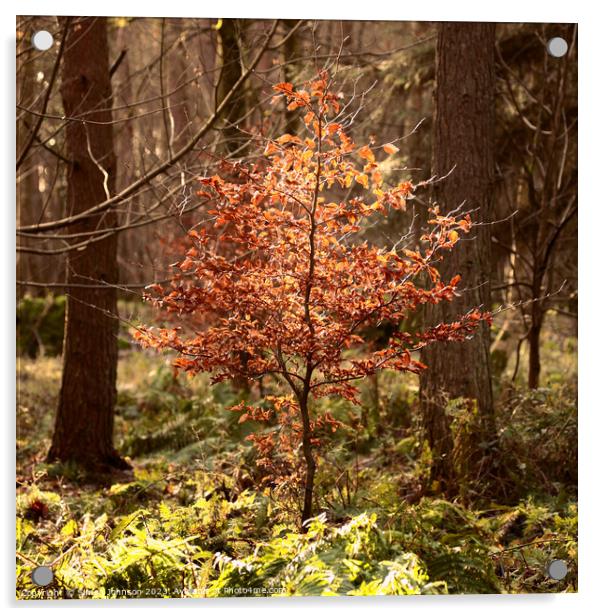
(28, 196)
(230, 70)
(463, 162)
(84, 420)
(537, 195)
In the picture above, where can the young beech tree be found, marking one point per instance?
(279, 280)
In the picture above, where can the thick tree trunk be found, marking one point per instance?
(463, 141)
(229, 57)
(84, 422)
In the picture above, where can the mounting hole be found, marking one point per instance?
(42, 576)
(557, 569)
(42, 40)
(557, 47)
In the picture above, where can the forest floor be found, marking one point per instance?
(194, 519)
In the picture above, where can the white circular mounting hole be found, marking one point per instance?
(42, 40)
(557, 569)
(42, 576)
(557, 47)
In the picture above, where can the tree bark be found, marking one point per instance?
(84, 422)
(463, 141)
(534, 336)
(179, 74)
(229, 55)
(290, 50)
(310, 462)
(30, 267)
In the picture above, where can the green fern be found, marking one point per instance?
(465, 573)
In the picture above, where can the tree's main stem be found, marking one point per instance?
(83, 430)
(310, 462)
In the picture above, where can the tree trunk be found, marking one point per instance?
(418, 145)
(463, 141)
(179, 74)
(534, 335)
(229, 56)
(133, 243)
(30, 267)
(84, 422)
(310, 463)
(290, 51)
